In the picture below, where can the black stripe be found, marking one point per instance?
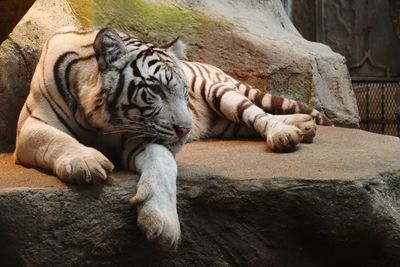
(204, 71)
(136, 71)
(163, 132)
(58, 78)
(132, 152)
(44, 82)
(152, 62)
(243, 105)
(67, 80)
(59, 117)
(131, 89)
(192, 108)
(143, 95)
(216, 99)
(157, 111)
(87, 45)
(276, 105)
(203, 93)
(157, 69)
(144, 109)
(194, 76)
(304, 108)
(33, 116)
(75, 106)
(132, 42)
(258, 116)
(258, 99)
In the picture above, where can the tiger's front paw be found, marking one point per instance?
(283, 138)
(157, 214)
(83, 166)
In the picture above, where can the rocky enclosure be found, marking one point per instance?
(265, 51)
(332, 203)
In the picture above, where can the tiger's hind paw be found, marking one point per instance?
(283, 138)
(84, 166)
(306, 124)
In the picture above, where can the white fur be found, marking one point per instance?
(156, 195)
(178, 48)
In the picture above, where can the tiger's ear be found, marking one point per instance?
(177, 47)
(109, 47)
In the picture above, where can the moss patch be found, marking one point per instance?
(150, 21)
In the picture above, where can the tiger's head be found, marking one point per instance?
(144, 88)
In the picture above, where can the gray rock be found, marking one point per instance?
(19, 54)
(332, 203)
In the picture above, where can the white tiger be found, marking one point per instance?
(101, 95)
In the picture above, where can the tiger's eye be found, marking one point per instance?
(155, 89)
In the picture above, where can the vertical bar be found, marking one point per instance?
(367, 121)
(398, 129)
(383, 121)
(320, 22)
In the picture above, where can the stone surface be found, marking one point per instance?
(335, 202)
(19, 54)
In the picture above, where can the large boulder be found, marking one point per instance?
(332, 203)
(19, 54)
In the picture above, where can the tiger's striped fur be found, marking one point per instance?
(100, 94)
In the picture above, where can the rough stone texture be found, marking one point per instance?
(19, 54)
(332, 203)
(11, 12)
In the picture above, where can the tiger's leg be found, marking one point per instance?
(297, 113)
(156, 195)
(40, 144)
(226, 101)
(278, 105)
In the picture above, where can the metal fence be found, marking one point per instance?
(377, 103)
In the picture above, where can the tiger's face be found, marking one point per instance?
(146, 89)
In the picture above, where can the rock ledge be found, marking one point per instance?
(332, 203)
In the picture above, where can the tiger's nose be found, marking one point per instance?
(181, 131)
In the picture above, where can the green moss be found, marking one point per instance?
(150, 21)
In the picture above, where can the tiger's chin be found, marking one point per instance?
(175, 146)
